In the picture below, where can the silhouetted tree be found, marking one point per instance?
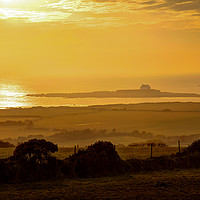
(193, 148)
(34, 150)
(114, 130)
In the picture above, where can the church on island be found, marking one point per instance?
(145, 87)
(144, 91)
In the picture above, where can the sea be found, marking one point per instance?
(14, 95)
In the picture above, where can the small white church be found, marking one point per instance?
(145, 87)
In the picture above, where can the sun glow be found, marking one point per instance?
(12, 96)
(8, 3)
(13, 1)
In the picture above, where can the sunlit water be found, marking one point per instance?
(13, 95)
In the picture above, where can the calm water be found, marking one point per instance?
(14, 95)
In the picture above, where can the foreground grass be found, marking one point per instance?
(177, 184)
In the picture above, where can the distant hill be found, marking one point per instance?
(16, 123)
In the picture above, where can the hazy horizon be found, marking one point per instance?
(178, 83)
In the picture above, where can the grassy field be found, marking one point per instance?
(177, 184)
(125, 153)
(181, 119)
(144, 152)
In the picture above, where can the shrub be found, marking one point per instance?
(194, 147)
(34, 150)
(99, 159)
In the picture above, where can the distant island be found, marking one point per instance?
(144, 91)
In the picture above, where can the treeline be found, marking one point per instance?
(32, 161)
(5, 144)
(148, 143)
(21, 139)
(73, 135)
(65, 136)
(27, 123)
(172, 140)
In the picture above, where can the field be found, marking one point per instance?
(125, 152)
(167, 119)
(177, 184)
(144, 152)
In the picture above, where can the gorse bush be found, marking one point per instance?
(31, 161)
(194, 147)
(34, 150)
(99, 159)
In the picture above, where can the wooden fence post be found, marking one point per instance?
(74, 149)
(77, 148)
(179, 146)
(151, 150)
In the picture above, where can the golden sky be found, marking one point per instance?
(98, 39)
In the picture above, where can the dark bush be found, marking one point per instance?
(34, 150)
(158, 163)
(134, 165)
(31, 161)
(99, 159)
(194, 147)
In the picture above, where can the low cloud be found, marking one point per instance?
(111, 12)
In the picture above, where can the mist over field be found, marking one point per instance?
(121, 124)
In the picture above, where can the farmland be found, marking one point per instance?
(168, 119)
(176, 184)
